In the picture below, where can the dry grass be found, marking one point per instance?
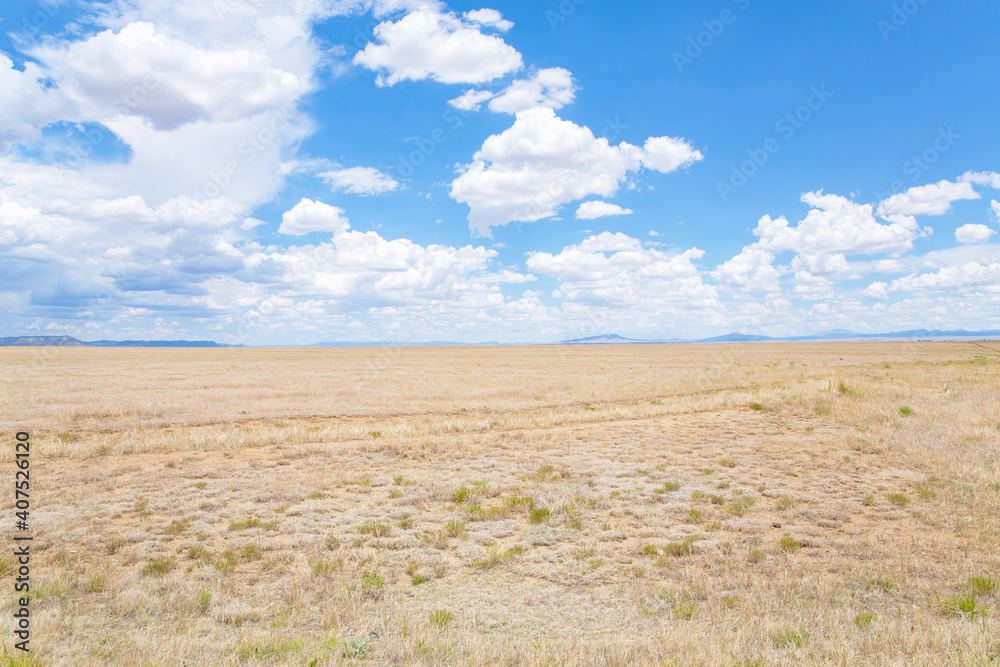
(626, 505)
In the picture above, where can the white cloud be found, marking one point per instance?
(812, 287)
(751, 270)
(834, 227)
(551, 88)
(471, 100)
(591, 210)
(617, 269)
(141, 71)
(187, 213)
(973, 234)
(360, 181)
(312, 216)
(667, 154)
(931, 199)
(878, 291)
(971, 275)
(542, 162)
(26, 106)
(432, 44)
(996, 207)
(361, 270)
(989, 178)
(489, 17)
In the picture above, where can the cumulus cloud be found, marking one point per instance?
(667, 154)
(591, 210)
(471, 100)
(971, 275)
(312, 216)
(834, 227)
(996, 207)
(753, 269)
(432, 44)
(542, 162)
(26, 105)
(878, 291)
(141, 71)
(489, 17)
(360, 181)
(973, 234)
(988, 178)
(618, 269)
(551, 88)
(932, 199)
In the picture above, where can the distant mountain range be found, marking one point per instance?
(835, 335)
(606, 339)
(69, 341)
(432, 343)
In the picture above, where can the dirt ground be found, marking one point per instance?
(763, 504)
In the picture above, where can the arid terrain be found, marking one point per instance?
(731, 505)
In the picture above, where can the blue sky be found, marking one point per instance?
(284, 172)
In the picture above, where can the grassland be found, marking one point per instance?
(622, 505)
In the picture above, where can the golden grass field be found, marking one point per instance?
(765, 504)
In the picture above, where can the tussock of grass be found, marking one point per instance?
(245, 524)
(787, 636)
(740, 507)
(440, 617)
(864, 620)
(179, 526)
(494, 556)
(375, 529)
(789, 544)
(158, 567)
(883, 584)
(677, 549)
(540, 515)
(455, 528)
(982, 585)
(786, 503)
(961, 605)
(898, 498)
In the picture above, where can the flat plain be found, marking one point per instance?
(732, 505)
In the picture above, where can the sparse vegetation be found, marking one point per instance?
(540, 515)
(245, 524)
(158, 567)
(789, 637)
(789, 544)
(301, 537)
(786, 503)
(898, 498)
(375, 529)
(440, 617)
(982, 585)
(863, 620)
(961, 605)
